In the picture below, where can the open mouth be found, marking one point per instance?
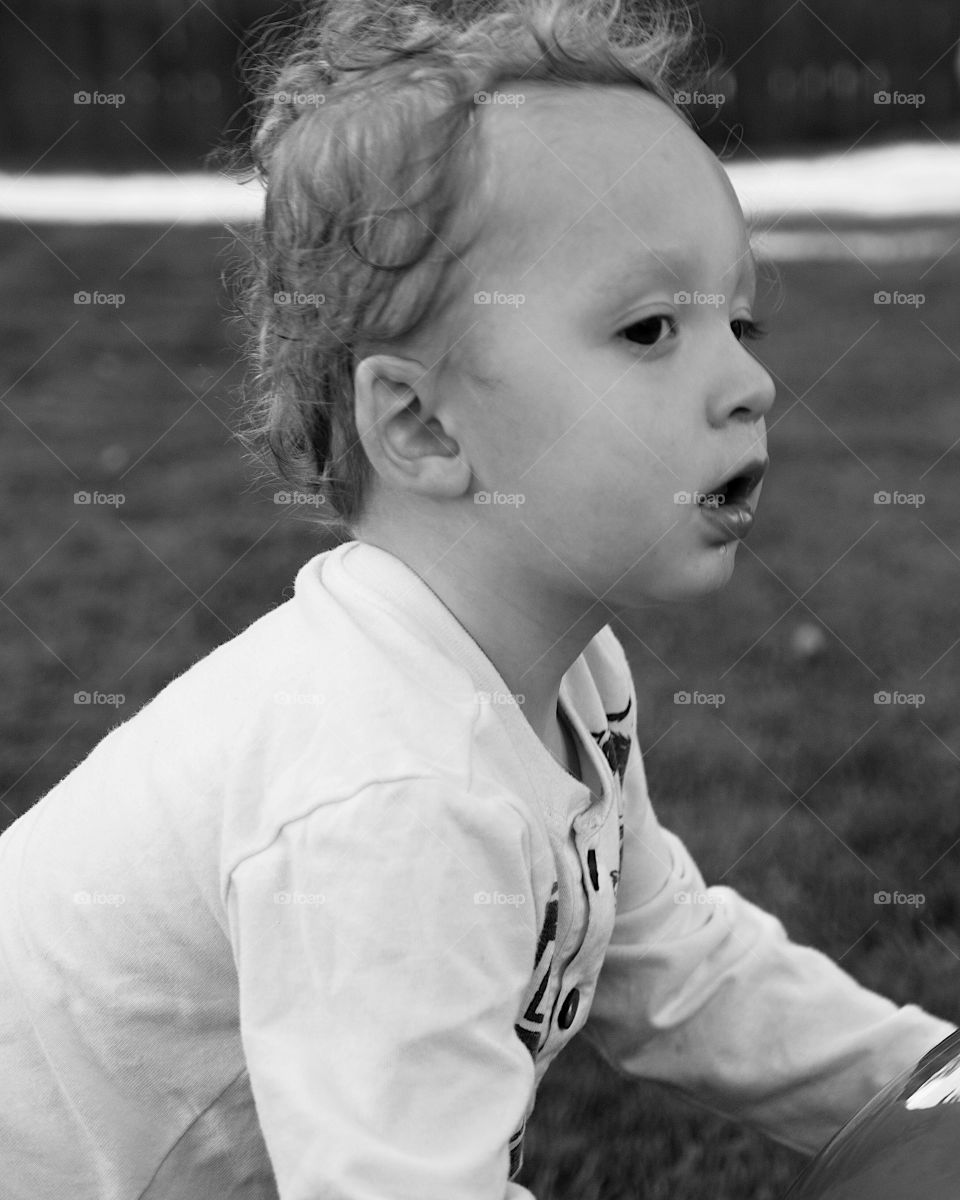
(736, 489)
(727, 504)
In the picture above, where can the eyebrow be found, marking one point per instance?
(653, 263)
(660, 262)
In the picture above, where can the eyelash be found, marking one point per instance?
(750, 330)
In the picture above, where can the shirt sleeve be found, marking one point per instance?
(702, 990)
(383, 947)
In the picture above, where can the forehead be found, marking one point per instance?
(581, 177)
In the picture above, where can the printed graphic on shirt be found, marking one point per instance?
(615, 745)
(615, 875)
(592, 868)
(530, 1027)
(516, 1150)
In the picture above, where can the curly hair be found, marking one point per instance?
(366, 139)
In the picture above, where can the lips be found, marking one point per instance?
(728, 504)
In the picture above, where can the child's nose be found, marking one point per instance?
(749, 392)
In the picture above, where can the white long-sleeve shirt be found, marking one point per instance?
(314, 922)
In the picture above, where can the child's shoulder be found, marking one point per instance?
(337, 675)
(360, 676)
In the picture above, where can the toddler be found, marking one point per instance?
(315, 921)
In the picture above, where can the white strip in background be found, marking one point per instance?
(912, 181)
(822, 245)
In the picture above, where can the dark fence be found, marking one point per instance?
(799, 71)
(135, 84)
(141, 84)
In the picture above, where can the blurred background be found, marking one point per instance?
(801, 730)
(790, 73)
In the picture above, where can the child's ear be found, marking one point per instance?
(402, 431)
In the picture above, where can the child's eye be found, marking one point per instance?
(650, 330)
(746, 330)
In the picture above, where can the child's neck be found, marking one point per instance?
(530, 637)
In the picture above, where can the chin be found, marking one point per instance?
(708, 574)
(712, 572)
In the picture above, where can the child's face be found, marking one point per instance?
(611, 392)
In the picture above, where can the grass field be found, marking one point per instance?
(799, 790)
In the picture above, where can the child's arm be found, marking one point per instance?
(378, 993)
(714, 999)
